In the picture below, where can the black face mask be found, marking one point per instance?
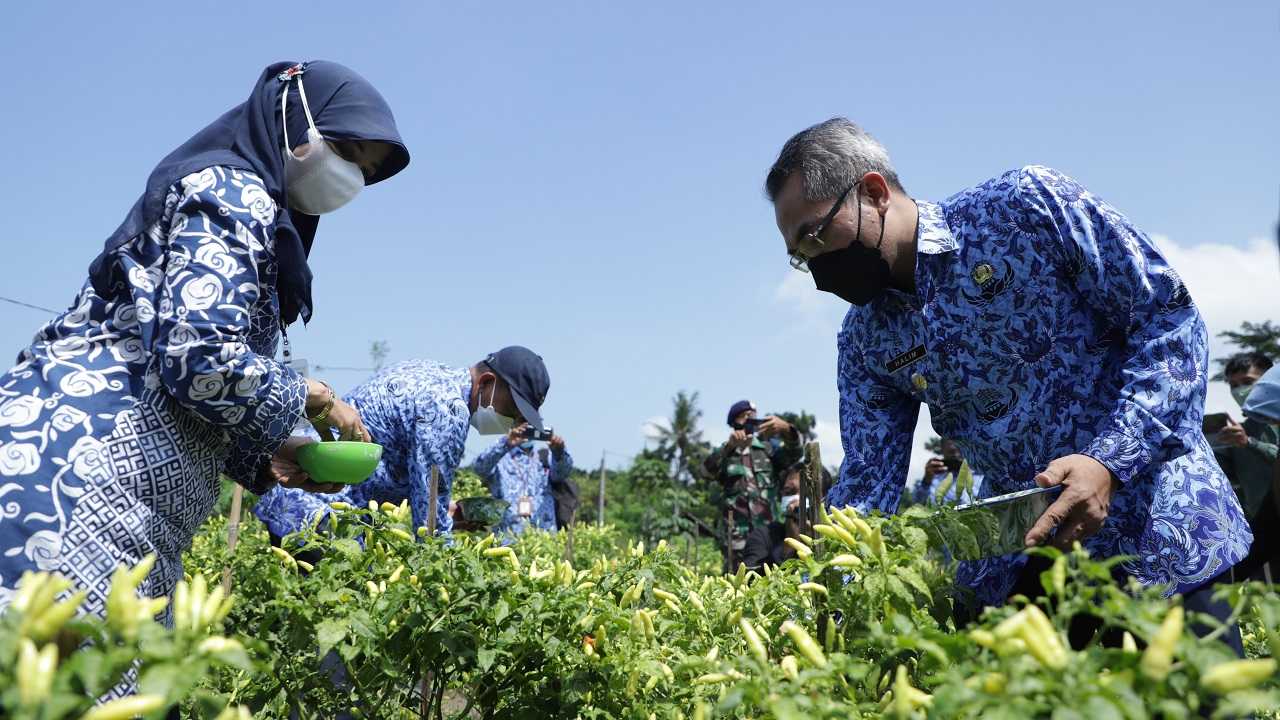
(857, 274)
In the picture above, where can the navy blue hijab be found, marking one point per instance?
(250, 136)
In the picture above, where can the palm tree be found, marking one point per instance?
(378, 352)
(679, 439)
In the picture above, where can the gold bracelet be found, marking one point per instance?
(328, 406)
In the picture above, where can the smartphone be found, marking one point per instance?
(1215, 423)
(998, 525)
(751, 425)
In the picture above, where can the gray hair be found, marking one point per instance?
(829, 156)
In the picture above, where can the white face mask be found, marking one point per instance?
(320, 181)
(487, 421)
(787, 500)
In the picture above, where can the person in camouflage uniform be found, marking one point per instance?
(748, 468)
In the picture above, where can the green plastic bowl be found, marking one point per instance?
(343, 462)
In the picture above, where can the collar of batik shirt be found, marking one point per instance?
(934, 236)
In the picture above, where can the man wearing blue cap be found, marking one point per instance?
(515, 473)
(747, 468)
(419, 411)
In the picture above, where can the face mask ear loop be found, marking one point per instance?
(284, 118)
(302, 92)
(857, 203)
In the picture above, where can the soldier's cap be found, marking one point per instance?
(738, 408)
(524, 372)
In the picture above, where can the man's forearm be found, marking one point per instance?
(1268, 451)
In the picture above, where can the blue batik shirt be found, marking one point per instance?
(515, 472)
(418, 412)
(1044, 324)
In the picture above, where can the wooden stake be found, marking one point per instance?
(600, 499)
(233, 534)
(434, 492)
(568, 545)
(810, 488)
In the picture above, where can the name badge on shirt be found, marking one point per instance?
(913, 355)
(524, 506)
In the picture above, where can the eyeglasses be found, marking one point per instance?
(811, 244)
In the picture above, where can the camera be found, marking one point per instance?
(539, 435)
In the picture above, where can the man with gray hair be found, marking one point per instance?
(1051, 341)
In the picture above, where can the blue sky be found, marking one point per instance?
(587, 176)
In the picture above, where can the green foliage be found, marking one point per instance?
(1263, 337)
(804, 423)
(54, 665)
(933, 445)
(467, 483)
(859, 626)
(378, 352)
(680, 440)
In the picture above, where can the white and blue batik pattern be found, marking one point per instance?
(513, 472)
(1052, 327)
(417, 411)
(118, 418)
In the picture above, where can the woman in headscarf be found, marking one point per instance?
(118, 419)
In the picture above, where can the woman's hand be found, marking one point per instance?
(286, 471)
(325, 411)
(347, 421)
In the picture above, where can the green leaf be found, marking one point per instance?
(916, 540)
(350, 549)
(485, 658)
(964, 542)
(161, 679)
(329, 633)
(913, 578)
(500, 611)
(899, 590)
(236, 657)
(1243, 703)
(1099, 708)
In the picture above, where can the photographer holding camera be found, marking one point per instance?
(747, 467)
(936, 472)
(515, 473)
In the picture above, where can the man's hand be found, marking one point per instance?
(935, 466)
(1081, 508)
(774, 425)
(286, 471)
(1233, 434)
(737, 439)
(516, 435)
(557, 445)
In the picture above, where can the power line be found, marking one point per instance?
(27, 305)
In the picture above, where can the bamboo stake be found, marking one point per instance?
(433, 500)
(233, 534)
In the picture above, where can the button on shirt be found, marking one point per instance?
(417, 411)
(512, 473)
(1052, 327)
